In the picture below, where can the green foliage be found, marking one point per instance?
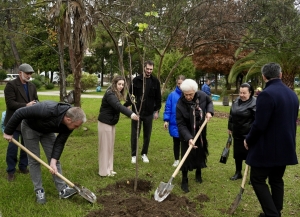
(2, 74)
(165, 95)
(49, 86)
(186, 68)
(87, 80)
(38, 84)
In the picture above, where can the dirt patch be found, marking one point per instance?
(221, 114)
(119, 199)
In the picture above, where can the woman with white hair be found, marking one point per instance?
(191, 110)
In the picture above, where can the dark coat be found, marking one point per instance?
(242, 115)
(185, 122)
(272, 138)
(110, 109)
(15, 97)
(152, 96)
(44, 117)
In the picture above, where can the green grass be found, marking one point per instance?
(80, 165)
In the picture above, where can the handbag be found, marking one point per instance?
(225, 152)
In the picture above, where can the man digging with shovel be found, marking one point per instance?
(40, 122)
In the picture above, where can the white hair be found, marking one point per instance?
(189, 85)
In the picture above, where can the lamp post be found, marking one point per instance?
(110, 54)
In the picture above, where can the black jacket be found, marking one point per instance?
(15, 97)
(184, 116)
(152, 96)
(242, 115)
(43, 117)
(110, 109)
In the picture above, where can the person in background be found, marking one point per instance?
(192, 108)
(40, 122)
(170, 118)
(258, 90)
(151, 104)
(271, 142)
(108, 117)
(241, 117)
(206, 88)
(2, 121)
(18, 93)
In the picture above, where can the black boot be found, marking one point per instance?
(198, 176)
(237, 175)
(184, 185)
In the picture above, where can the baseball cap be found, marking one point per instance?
(25, 68)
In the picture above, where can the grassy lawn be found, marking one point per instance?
(80, 165)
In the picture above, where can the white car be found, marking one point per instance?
(11, 77)
(55, 78)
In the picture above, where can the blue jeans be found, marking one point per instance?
(12, 155)
(32, 140)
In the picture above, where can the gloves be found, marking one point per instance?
(134, 117)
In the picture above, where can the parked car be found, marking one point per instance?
(296, 82)
(55, 78)
(11, 77)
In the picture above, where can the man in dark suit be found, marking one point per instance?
(18, 93)
(272, 140)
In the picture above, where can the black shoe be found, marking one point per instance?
(261, 215)
(236, 176)
(184, 185)
(249, 183)
(24, 171)
(10, 177)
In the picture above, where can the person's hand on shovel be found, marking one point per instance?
(192, 143)
(7, 137)
(53, 166)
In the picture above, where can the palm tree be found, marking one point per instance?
(75, 22)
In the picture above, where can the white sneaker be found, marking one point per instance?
(133, 159)
(113, 172)
(175, 164)
(145, 158)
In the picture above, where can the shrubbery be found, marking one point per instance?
(38, 84)
(2, 74)
(87, 80)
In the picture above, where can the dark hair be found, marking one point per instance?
(250, 88)
(180, 77)
(115, 80)
(149, 62)
(271, 70)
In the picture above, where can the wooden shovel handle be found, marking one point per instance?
(42, 162)
(245, 176)
(189, 149)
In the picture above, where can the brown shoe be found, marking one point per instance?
(10, 177)
(25, 171)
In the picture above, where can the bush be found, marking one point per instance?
(2, 74)
(87, 80)
(49, 86)
(165, 95)
(38, 84)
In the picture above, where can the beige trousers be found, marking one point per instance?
(106, 141)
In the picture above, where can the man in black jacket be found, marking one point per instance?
(38, 125)
(18, 93)
(149, 107)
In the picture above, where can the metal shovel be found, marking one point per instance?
(84, 192)
(238, 198)
(164, 189)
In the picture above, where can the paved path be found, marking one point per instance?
(83, 95)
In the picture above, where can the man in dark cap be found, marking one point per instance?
(18, 93)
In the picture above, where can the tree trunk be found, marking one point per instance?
(288, 79)
(62, 75)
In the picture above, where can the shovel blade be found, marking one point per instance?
(163, 190)
(86, 193)
(236, 202)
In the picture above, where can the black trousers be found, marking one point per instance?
(147, 129)
(270, 201)
(176, 147)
